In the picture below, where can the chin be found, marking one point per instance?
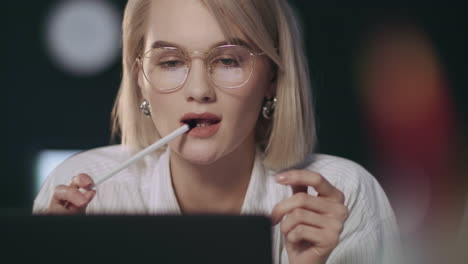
(200, 160)
(199, 154)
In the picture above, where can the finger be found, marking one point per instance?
(313, 203)
(89, 194)
(318, 237)
(299, 188)
(62, 207)
(65, 207)
(70, 194)
(303, 216)
(82, 180)
(308, 178)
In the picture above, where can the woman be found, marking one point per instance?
(237, 69)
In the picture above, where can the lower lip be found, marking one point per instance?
(204, 132)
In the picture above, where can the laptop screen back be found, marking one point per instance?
(136, 239)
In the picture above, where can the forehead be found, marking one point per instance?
(189, 24)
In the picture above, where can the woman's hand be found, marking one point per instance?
(69, 199)
(312, 224)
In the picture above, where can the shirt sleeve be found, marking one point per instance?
(62, 174)
(121, 194)
(42, 201)
(370, 234)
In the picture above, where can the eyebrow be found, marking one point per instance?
(236, 41)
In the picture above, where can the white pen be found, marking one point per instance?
(181, 130)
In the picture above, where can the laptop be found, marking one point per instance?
(135, 239)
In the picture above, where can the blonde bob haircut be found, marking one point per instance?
(289, 137)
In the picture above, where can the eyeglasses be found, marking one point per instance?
(167, 68)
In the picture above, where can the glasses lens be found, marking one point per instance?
(230, 66)
(165, 68)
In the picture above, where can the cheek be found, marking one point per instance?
(250, 108)
(247, 108)
(255, 92)
(246, 118)
(157, 105)
(164, 112)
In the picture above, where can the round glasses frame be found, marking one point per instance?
(189, 58)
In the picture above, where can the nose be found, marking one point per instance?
(197, 87)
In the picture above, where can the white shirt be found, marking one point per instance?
(370, 234)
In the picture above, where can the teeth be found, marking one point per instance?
(202, 124)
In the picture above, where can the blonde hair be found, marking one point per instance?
(289, 137)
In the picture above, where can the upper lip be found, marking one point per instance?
(201, 116)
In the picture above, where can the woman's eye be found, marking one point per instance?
(171, 64)
(226, 62)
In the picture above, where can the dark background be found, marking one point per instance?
(45, 107)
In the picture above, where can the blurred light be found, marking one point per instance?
(46, 162)
(410, 119)
(83, 36)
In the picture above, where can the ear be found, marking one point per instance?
(141, 82)
(271, 89)
(140, 78)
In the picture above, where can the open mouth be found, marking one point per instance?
(203, 125)
(200, 120)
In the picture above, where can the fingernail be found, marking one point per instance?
(281, 178)
(86, 181)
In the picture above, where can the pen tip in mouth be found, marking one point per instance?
(192, 123)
